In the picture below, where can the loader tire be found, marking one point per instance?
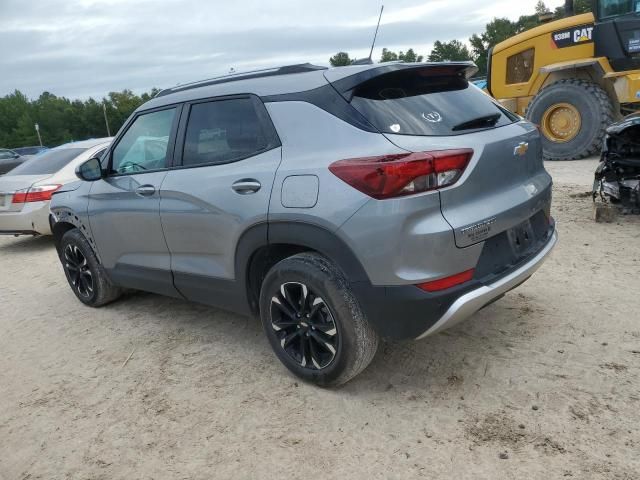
(573, 116)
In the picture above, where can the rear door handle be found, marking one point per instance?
(246, 186)
(146, 190)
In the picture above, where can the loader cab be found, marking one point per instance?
(617, 33)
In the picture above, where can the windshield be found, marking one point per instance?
(419, 102)
(612, 8)
(47, 163)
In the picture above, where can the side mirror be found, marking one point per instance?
(16, 155)
(90, 171)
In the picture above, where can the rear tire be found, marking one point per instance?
(313, 321)
(574, 96)
(86, 276)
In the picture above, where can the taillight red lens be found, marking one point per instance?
(398, 175)
(35, 194)
(448, 282)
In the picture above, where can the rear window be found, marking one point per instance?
(47, 163)
(419, 102)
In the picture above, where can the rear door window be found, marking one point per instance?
(223, 131)
(422, 102)
(47, 163)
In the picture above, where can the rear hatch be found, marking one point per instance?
(431, 107)
(10, 184)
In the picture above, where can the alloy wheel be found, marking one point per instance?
(304, 325)
(78, 269)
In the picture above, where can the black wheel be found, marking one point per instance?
(313, 321)
(84, 273)
(573, 116)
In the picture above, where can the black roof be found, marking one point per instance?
(233, 77)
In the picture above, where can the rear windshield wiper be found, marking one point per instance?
(481, 122)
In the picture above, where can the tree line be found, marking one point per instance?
(62, 120)
(496, 31)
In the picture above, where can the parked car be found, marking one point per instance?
(25, 192)
(30, 151)
(340, 205)
(9, 160)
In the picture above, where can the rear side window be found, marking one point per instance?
(223, 131)
(422, 102)
(47, 163)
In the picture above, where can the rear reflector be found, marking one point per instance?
(35, 194)
(447, 282)
(399, 175)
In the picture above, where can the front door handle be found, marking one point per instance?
(246, 186)
(146, 190)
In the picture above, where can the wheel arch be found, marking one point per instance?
(58, 230)
(264, 245)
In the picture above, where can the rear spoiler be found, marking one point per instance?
(346, 84)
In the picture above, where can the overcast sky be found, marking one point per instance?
(82, 48)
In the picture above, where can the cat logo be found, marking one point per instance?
(573, 36)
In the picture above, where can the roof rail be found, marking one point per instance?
(234, 77)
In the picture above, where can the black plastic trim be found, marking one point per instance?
(236, 77)
(328, 99)
(146, 279)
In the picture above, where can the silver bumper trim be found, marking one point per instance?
(473, 301)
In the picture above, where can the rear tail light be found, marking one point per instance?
(398, 175)
(447, 282)
(35, 194)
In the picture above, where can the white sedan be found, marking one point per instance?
(25, 192)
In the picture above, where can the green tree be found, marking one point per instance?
(62, 120)
(410, 56)
(579, 6)
(340, 59)
(496, 31)
(388, 56)
(541, 8)
(451, 51)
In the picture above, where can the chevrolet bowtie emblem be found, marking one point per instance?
(521, 150)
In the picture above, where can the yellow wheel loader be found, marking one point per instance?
(572, 77)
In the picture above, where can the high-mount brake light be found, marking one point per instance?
(399, 175)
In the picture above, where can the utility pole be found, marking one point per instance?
(106, 121)
(38, 132)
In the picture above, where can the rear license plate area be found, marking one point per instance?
(5, 201)
(522, 238)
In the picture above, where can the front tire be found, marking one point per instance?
(313, 321)
(573, 116)
(86, 276)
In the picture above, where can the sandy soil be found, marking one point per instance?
(543, 384)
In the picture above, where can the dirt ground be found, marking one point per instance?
(543, 384)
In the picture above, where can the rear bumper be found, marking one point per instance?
(406, 312)
(33, 219)
(471, 302)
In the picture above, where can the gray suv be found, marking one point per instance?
(340, 205)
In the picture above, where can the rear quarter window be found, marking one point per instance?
(419, 102)
(47, 163)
